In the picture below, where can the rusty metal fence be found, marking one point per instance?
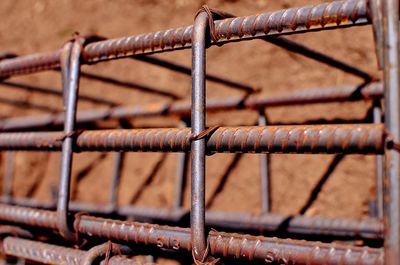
(67, 223)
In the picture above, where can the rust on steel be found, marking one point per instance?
(354, 138)
(182, 108)
(366, 228)
(221, 244)
(53, 254)
(287, 21)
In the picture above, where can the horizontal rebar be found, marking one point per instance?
(367, 228)
(222, 244)
(274, 223)
(289, 21)
(355, 138)
(52, 254)
(182, 108)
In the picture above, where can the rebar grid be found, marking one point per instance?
(199, 141)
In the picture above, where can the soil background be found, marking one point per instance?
(148, 179)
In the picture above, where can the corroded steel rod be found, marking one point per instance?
(198, 146)
(53, 254)
(362, 138)
(391, 78)
(289, 21)
(182, 108)
(368, 228)
(71, 91)
(222, 244)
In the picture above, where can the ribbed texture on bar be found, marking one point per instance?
(52, 254)
(225, 244)
(326, 15)
(234, 245)
(28, 216)
(337, 13)
(347, 139)
(30, 63)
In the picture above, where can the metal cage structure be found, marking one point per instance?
(26, 221)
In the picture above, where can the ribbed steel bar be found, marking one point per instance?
(356, 138)
(222, 244)
(289, 21)
(336, 94)
(282, 42)
(392, 122)
(53, 254)
(236, 245)
(52, 91)
(368, 228)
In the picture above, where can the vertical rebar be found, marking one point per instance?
(264, 171)
(377, 119)
(197, 214)
(392, 122)
(375, 7)
(71, 88)
(116, 176)
(8, 176)
(65, 64)
(180, 175)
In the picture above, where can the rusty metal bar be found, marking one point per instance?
(379, 166)
(52, 91)
(356, 138)
(53, 254)
(198, 146)
(264, 172)
(70, 89)
(337, 94)
(375, 8)
(294, 20)
(222, 244)
(392, 122)
(367, 228)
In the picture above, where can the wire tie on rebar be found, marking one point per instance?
(73, 134)
(108, 252)
(390, 143)
(77, 220)
(206, 259)
(213, 14)
(203, 134)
